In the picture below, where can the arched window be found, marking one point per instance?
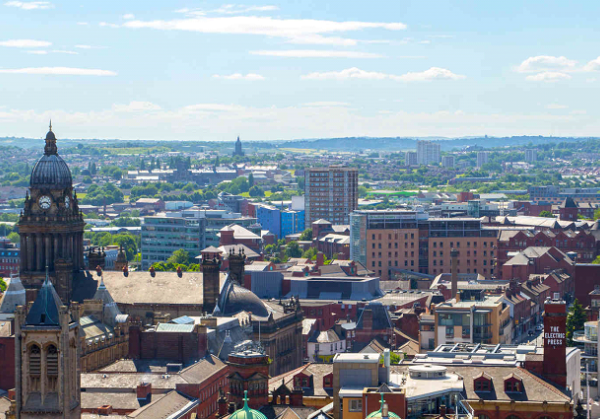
(35, 367)
(52, 360)
(52, 367)
(35, 361)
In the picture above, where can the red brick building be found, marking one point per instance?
(536, 260)
(580, 242)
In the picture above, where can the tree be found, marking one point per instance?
(292, 250)
(251, 180)
(575, 320)
(129, 243)
(310, 253)
(2, 284)
(180, 256)
(306, 235)
(14, 237)
(546, 213)
(256, 191)
(597, 214)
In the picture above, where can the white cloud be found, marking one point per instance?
(108, 25)
(556, 106)
(425, 42)
(322, 40)
(136, 106)
(434, 73)
(300, 30)
(593, 65)
(128, 16)
(546, 63)
(239, 76)
(231, 9)
(84, 47)
(548, 76)
(351, 73)
(578, 112)
(316, 54)
(71, 71)
(30, 5)
(24, 43)
(83, 23)
(217, 121)
(44, 52)
(212, 107)
(65, 52)
(591, 80)
(325, 104)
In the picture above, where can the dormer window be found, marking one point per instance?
(482, 383)
(513, 383)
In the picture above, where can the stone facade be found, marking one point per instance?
(51, 226)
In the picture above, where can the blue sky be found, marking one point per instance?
(207, 70)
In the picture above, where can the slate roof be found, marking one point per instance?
(315, 370)
(164, 407)
(45, 310)
(381, 317)
(13, 296)
(535, 388)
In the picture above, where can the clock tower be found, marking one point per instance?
(51, 226)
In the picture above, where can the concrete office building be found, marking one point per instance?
(427, 152)
(162, 235)
(448, 162)
(531, 155)
(482, 158)
(330, 194)
(411, 159)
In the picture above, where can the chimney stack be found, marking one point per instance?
(555, 341)
(454, 256)
(144, 393)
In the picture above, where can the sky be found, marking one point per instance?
(208, 70)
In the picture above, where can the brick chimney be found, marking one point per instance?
(454, 256)
(442, 411)
(222, 402)
(226, 237)
(320, 259)
(296, 398)
(555, 341)
(144, 393)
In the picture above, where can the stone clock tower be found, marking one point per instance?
(51, 226)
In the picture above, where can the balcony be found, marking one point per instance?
(580, 337)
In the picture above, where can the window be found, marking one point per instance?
(482, 384)
(355, 405)
(449, 331)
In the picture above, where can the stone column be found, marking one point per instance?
(71, 247)
(48, 251)
(56, 248)
(30, 253)
(65, 248)
(39, 252)
(23, 254)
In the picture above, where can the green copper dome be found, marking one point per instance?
(246, 412)
(379, 413)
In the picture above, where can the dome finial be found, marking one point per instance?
(50, 124)
(50, 148)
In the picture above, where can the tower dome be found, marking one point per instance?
(51, 171)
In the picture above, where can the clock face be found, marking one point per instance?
(45, 202)
(67, 201)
